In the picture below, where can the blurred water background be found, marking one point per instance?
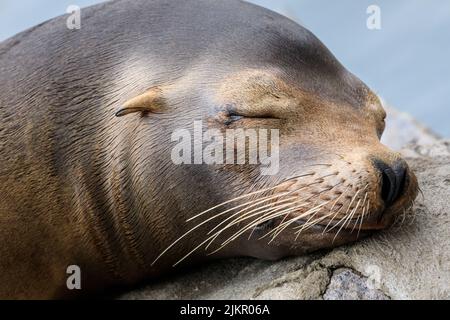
(407, 61)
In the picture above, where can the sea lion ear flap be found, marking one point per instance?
(150, 101)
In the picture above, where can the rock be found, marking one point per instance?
(346, 284)
(409, 261)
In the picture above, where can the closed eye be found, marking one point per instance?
(232, 118)
(232, 114)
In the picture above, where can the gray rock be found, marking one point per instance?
(347, 284)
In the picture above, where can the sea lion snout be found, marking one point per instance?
(338, 199)
(398, 188)
(364, 190)
(393, 180)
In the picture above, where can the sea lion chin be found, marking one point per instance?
(87, 177)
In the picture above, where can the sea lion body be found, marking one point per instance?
(81, 186)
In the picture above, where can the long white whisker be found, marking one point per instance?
(337, 212)
(347, 221)
(246, 196)
(309, 224)
(259, 221)
(346, 213)
(205, 241)
(206, 221)
(313, 211)
(267, 199)
(257, 211)
(362, 215)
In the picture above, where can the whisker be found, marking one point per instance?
(229, 201)
(349, 217)
(211, 237)
(312, 223)
(357, 220)
(355, 224)
(257, 211)
(332, 208)
(279, 213)
(266, 198)
(348, 209)
(362, 215)
(246, 216)
(312, 211)
(306, 224)
(282, 224)
(273, 197)
(353, 213)
(280, 228)
(248, 205)
(196, 227)
(346, 213)
(251, 233)
(204, 242)
(251, 206)
(250, 194)
(192, 251)
(259, 221)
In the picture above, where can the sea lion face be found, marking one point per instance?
(336, 182)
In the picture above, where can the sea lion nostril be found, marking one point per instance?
(393, 180)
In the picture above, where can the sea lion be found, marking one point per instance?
(86, 175)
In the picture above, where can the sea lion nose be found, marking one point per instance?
(393, 180)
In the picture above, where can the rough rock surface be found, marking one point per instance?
(409, 261)
(346, 284)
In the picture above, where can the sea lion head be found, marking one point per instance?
(336, 182)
